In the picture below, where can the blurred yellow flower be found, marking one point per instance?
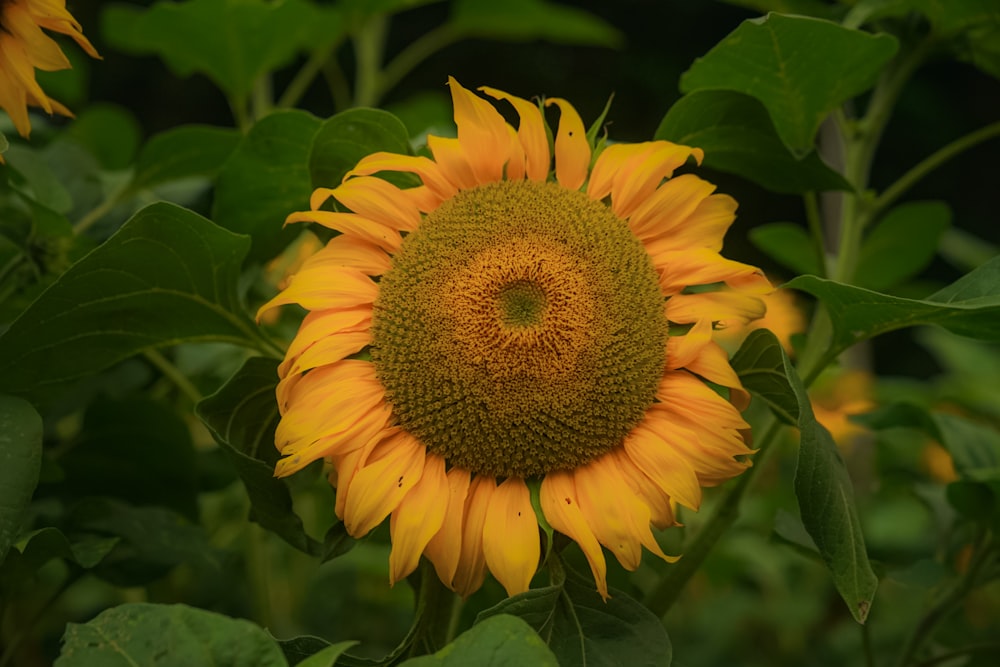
(24, 47)
(838, 396)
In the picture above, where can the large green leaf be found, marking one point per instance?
(168, 636)
(167, 276)
(738, 137)
(265, 179)
(581, 628)
(45, 544)
(500, 641)
(349, 136)
(902, 244)
(789, 244)
(108, 131)
(183, 152)
(822, 484)
(233, 42)
(242, 416)
(524, 20)
(20, 463)
(799, 68)
(969, 307)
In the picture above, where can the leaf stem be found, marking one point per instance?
(173, 374)
(300, 83)
(815, 221)
(930, 163)
(369, 48)
(984, 555)
(99, 211)
(662, 597)
(437, 614)
(419, 50)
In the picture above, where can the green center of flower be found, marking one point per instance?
(520, 330)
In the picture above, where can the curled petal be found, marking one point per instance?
(418, 518)
(683, 393)
(642, 174)
(351, 224)
(660, 505)
(700, 266)
(450, 157)
(428, 170)
(510, 536)
(530, 132)
(391, 470)
(665, 212)
(682, 350)
(379, 201)
(482, 132)
(445, 548)
(318, 287)
(712, 363)
(648, 449)
(561, 507)
(718, 306)
(572, 149)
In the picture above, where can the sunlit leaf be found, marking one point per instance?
(167, 635)
(183, 152)
(788, 244)
(499, 641)
(233, 42)
(523, 20)
(738, 137)
(902, 244)
(581, 628)
(167, 276)
(265, 179)
(969, 307)
(20, 463)
(800, 69)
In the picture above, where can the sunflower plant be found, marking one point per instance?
(345, 333)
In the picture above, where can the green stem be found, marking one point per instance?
(665, 593)
(957, 653)
(240, 113)
(418, 51)
(263, 98)
(173, 374)
(306, 74)
(437, 614)
(369, 47)
(99, 211)
(949, 600)
(932, 162)
(815, 221)
(862, 141)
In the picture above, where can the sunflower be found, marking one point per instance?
(25, 48)
(511, 338)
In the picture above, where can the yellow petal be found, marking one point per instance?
(418, 518)
(660, 506)
(530, 132)
(718, 306)
(510, 536)
(704, 228)
(13, 98)
(572, 149)
(351, 224)
(700, 266)
(451, 159)
(379, 201)
(482, 132)
(392, 469)
(666, 210)
(642, 174)
(712, 363)
(648, 449)
(685, 394)
(445, 547)
(319, 326)
(428, 170)
(471, 568)
(45, 54)
(682, 350)
(561, 508)
(320, 287)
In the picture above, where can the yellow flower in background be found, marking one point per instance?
(24, 47)
(838, 396)
(531, 330)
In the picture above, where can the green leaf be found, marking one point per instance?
(968, 307)
(183, 152)
(738, 137)
(349, 136)
(4, 144)
(120, 442)
(327, 657)
(525, 20)
(799, 68)
(499, 641)
(168, 636)
(760, 365)
(581, 628)
(265, 179)
(816, 8)
(973, 500)
(110, 132)
(233, 42)
(902, 244)
(167, 276)
(822, 484)
(242, 416)
(788, 244)
(20, 463)
(45, 544)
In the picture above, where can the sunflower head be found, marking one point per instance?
(24, 47)
(531, 314)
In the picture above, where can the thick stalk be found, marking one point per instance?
(437, 614)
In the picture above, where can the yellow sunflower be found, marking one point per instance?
(529, 331)
(24, 47)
